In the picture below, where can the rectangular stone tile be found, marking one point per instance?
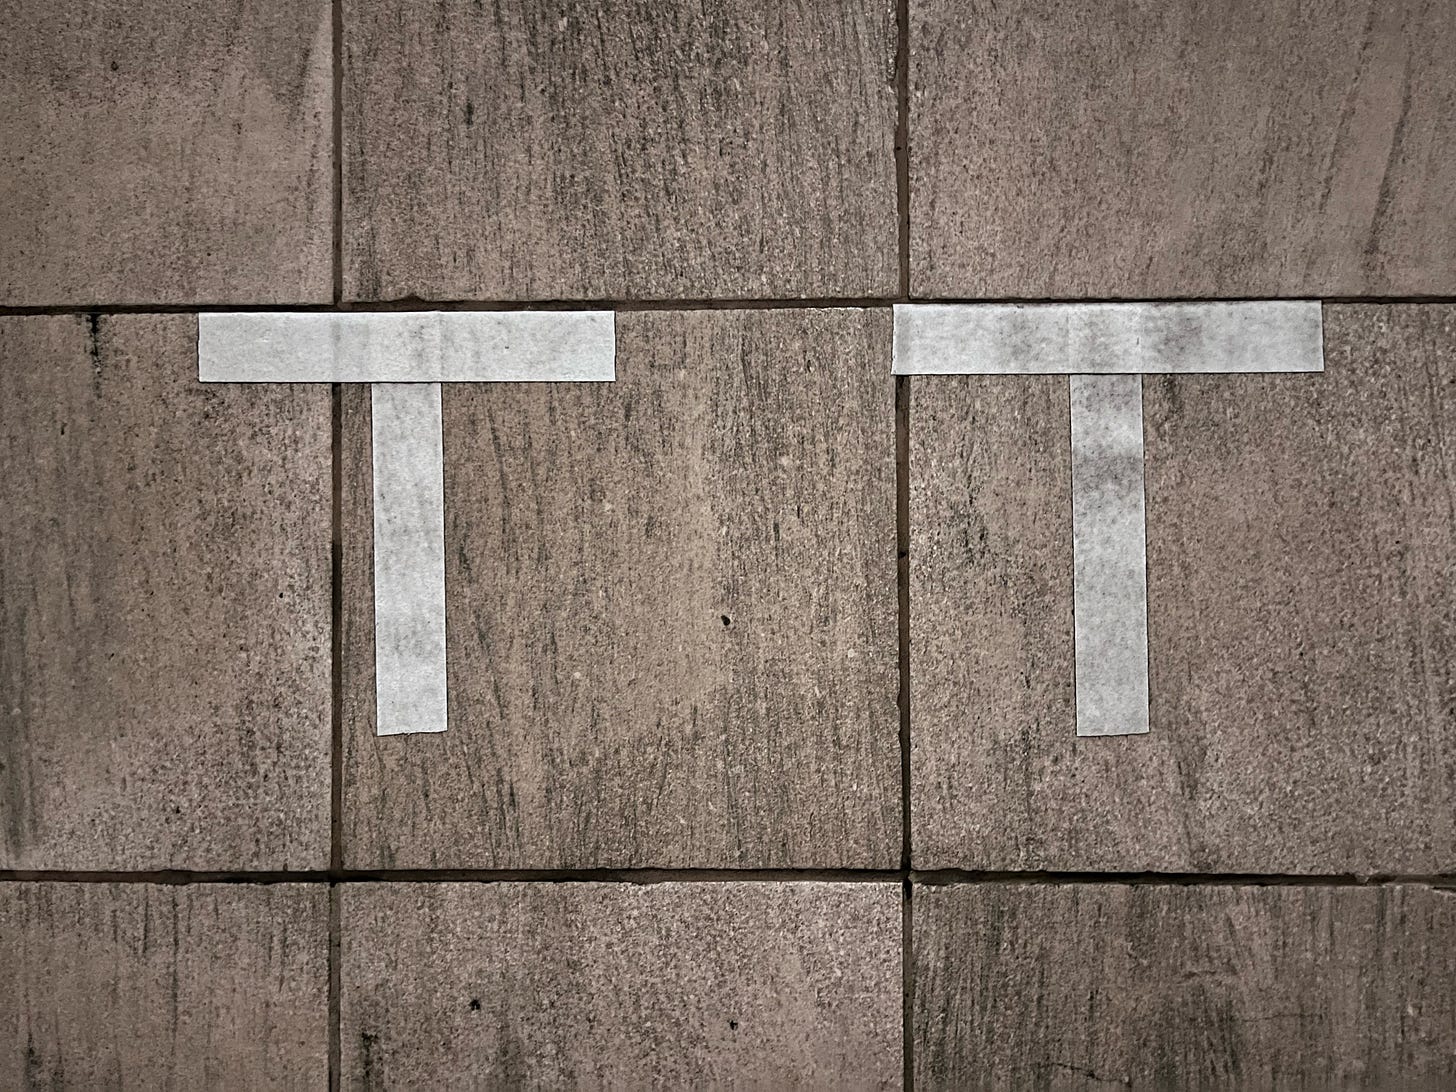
(164, 595)
(764, 985)
(670, 611)
(1302, 620)
(175, 153)
(1192, 148)
(1106, 986)
(161, 986)
(514, 150)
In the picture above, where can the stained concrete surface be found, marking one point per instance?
(1090, 986)
(1300, 533)
(164, 593)
(133, 985)
(771, 985)
(165, 153)
(670, 612)
(1084, 149)
(513, 150)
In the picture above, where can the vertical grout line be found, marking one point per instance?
(907, 980)
(336, 636)
(336, 567)
(902, 139)
(902, 534)
(902, 595)
(335, 975)
(336, 728)
(338, 143)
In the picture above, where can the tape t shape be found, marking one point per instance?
(1105, 349)
(405, 356)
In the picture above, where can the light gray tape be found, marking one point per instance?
(409, 559)
(1111, 338)
(1110, 588)
(406, 347)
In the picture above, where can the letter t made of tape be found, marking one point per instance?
(1105, 349)
(404, 357)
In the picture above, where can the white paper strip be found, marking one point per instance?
(406, 347)
(1110, 590)
(1114, 338)
(409, 559)
(405, 356)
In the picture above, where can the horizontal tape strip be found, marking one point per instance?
(1108, 338)
(407, 347)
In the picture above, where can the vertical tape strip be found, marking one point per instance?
(409, 558)
(1109, 548)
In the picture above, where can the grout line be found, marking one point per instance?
(336, 598)
(335, 989)
(902, 541)
(902, 588)
(941, 877)
(804, 303)
(918, 877)
(336, 629)
(471, 875)
(907, 982)
(902, 139)
(416, 305)
(338, 144)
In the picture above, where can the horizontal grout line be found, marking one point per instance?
(942, 877)
(397, 306)
(393, 306)
(472, 875)
(1036, 300)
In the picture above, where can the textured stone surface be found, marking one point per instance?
(147, 986)
(1065, 987)
(514, 150)
(1192, 148)
(164, 599)
(765, 985)
(670, 611)
(1302, 620)
(165, 153)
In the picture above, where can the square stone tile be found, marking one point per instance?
(750, 985)
(670, 611)
(170, 154)
(1301, 616)
(164, 595)
(1077, 148)
(626, 150)
(164, 986)
(1107, 986)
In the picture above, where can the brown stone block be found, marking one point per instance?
(1192, 148)
(629, 150)
(162, 986)
(670, 611)
(1302, 620)
(766, 985)
(164, 594)
(165, 153)
(1108, 986)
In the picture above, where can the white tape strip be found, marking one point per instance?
(1109, 547)
(406, 355)
(409, 559)
(1114, 338)
(406, 347)
(1105, 348)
